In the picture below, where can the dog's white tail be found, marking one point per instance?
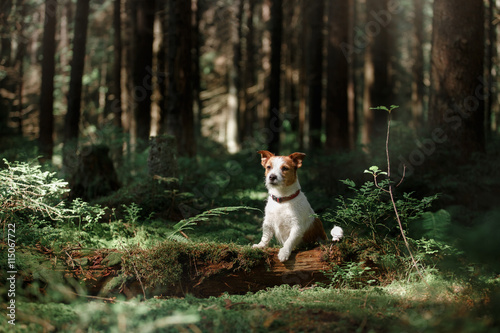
(337, 233)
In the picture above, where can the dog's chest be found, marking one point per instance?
(284, 216)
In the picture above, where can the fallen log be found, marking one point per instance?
(304, 268)
(199, 269)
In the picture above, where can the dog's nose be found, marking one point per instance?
(272, 177)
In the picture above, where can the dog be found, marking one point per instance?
(288, 214)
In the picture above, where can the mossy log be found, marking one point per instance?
(107, 273)
(213, 279)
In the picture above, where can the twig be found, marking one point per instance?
(109, 299)
(414, 262)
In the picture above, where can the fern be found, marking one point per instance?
(434, 225)
(189, 223)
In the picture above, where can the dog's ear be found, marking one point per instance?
(265, 155)
(297, 158)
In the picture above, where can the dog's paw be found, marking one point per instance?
(258, 246)
(283, 255)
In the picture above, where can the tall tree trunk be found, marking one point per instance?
(274, 120)
(143, 69)
(417, 87)
(378, 87)
(72, 119)
(199, 8)
(21, 52)
(490, 60)
(46, 118)
(314, 68)
(456, 107)
(337, 107)
(180, 118)
(117, 65)
(232, 128)
(249, 110)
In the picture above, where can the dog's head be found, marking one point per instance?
(281, 170)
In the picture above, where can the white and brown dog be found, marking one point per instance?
(288, 215)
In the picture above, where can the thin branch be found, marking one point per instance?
(404, 173)
(414, 262)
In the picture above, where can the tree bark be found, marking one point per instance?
(314, 68)
(458, 91)
(72, 119)
(117, 65)
(46, 118)
(249, 116)
(143, 69)
(232, 129)
(378, 89)
(274, 117)
(417, 87)
(337, 107)
(180, 118)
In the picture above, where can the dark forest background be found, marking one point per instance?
(249, 73)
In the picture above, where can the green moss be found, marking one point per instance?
(170, 261)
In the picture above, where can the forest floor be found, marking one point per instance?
(440, 306)
(368, 286)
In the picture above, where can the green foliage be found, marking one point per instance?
(433, 225)
(188, 223)
(350, 275)
(385, 108)
(26, 189)
(86, 215)
(369, 209)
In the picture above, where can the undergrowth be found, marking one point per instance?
(375, 287)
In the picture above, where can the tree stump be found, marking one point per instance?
(162, 159)
(95, 175)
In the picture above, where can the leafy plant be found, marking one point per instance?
(86, 213)
(371, 208)
(25, 188)
(187, 224)
(350, 275)
(132, 213)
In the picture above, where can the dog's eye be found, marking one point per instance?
(268, 167)
(285, 168)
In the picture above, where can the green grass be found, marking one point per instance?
(440, 307)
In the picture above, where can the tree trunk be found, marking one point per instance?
(232, 128)
(72, 119)
(337, 107)
(180, 118)
(274, 120)
(46, 118)
(458, 90)
(417, 87)
(143, 69)
(314, 68)
(117, 65)
(249, 116)
(490, 70)
(377, 91)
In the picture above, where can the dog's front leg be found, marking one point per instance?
(293, 240)
(267, 234)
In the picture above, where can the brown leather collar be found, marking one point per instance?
(283, 199)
